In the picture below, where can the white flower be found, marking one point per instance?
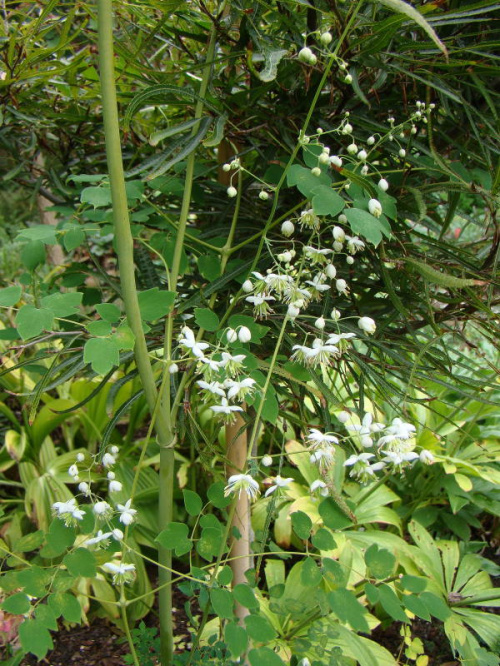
(362, 155)
(122, 573)
(331, 271)
(352, 149)
(397, 431)
(335, 338)
(244, 334)
(287, 228)
(189, 342)
(362, 468)
(316, 355)
(375, 207)
(316, 439)
(117, 534)
(231, 192)
(343, 417)
(232, 363)
(366, 427)
(293, 311)
(323, 458)
(225, 408)
(349, 260)
(173, 368)
(383, 185)
(84, 488)
(336, 161)
(115, 486)
(100, 536)
(316, 171)
(365, 169)
(279, 483)
(426, 457)
(320, 323)
(285, 257)
(267, 461)
(309, 219)
(399, 459)
(210, 364)
(80, 457)
(240, 388)
(126, 512)
(247, 286)
(73, 472)
(215, 388)
(335, 314)
(114, 450)
(320, 486)
(111, 475)
(367, 324)
(231, 335)
(355, 244)
(108, 460)
(260, 304)
(402, 152)
(239, 483)
(68, 511)
(341, 286)
(102, 510)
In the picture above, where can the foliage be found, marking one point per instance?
(312, 192)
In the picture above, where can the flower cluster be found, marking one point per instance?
(104, 513)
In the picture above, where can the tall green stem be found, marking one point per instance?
(124, 249)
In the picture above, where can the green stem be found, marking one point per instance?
(124, 249)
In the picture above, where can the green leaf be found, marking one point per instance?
(334, 572)
(348, 609)
(225, 576)
(81, 562)
(33, 254)
(35, 638)
(310, 573)
(134, 189)
(436, 606)
(245, 596)
(264, 656)
(209, 544)
(323, 539)
(413, 583)
(29, 542)
(236, 639)
(304, 180)
(73, 238)
(109, 312)
(45, 615)
(259, 628)
(17, 604)
(381, 563)
(366, 225)
(124, 337)
(416, 606)
(333, 517)
(59, 538)
(272, 60)
(209, 266)
(216, 495)
(155, 304)
(65, 604)
(31, 321)
(413, 14)
(206, 319)
(102, 354)
(98, 197)
(175, 536)
(192, 502)
(222, 602)
(45, 233)
(442, 279)
(301, 524)
(390, 602)
(34, 580)
(10, 296)
(326, 201)
(99, 328)
(63, 305)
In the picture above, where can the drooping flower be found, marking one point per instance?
(68, 511)
(232, 363)
(279, 484)
(108, 460)
(122, 573)
(190, 344)
(260, 304)
(238, 483)
(323, 457)
(102, 510)
(362, 469)
(215, 388)
(399, 459)
(226, 409)
(127, 514)
(316, 439)
(426, 457)
(367, 324)
(99, 538)
(319, 487)
(375, 207)
(239, 389)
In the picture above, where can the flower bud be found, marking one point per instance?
(244, 334)
(226, 167)
(367, 325)
(173, 369)
(370, 140)
(331, 271)
(325, 38)
(287, 228)
(320, 323)
(336, 161)
(349, 260)
(362, 155)
(352, 149)
(375, 207)
(266, 461)
(293, 311)
(324, 158)
(335, 314)
(307, 56)
(343, 417)
(263, 195)
(348, 79)
(341, 286)
(347, 129)
(383, 185)
(338, 246)
(285, 257)
(316, 171)
(402, 152)
(231, 192)
(247, 286)
(231, 335)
